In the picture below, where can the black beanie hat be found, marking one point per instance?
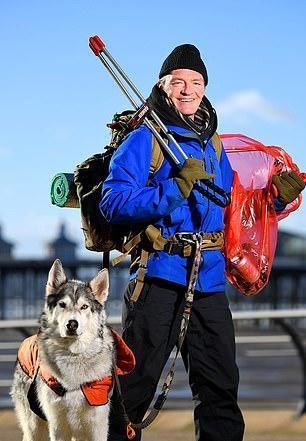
(185, 56)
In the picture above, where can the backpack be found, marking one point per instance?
(99, 234)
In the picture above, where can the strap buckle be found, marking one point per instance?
(173, 247)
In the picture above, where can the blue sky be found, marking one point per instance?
(56, 98)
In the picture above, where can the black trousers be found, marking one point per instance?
(150, 328)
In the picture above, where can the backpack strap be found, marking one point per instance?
(157, 155)
(217, 144)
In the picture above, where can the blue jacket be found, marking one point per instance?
(127, 199)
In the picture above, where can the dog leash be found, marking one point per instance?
(196, 242)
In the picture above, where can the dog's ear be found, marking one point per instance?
(56, 278)
(100, 286)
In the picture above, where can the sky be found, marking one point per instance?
(56, 97)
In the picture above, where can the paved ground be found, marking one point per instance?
(269, 425)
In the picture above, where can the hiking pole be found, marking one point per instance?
(99, 49)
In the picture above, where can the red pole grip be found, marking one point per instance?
(96, 44)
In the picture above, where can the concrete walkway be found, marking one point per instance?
(261, 425)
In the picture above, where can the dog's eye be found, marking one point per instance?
(84, 306)
(62, 304)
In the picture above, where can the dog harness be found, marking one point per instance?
(96, 392)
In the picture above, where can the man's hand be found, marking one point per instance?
(192, 171)
(289, 186)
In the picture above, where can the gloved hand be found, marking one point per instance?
(192, 170)
(289, 186)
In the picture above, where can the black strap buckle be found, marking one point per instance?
(172, 247)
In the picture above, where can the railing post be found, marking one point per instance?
(2, 294)
(298, 343)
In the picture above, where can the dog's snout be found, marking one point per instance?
(72, 325)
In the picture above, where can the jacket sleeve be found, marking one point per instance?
(126, 197)
(278, 205)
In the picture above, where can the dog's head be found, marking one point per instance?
(74, 308)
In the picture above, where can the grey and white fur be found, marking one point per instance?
(77, 346)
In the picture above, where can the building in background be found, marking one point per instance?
(62, 247)
(22, 281)
(6, 248)
(291, 245)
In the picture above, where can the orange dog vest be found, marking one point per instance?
(96, 392)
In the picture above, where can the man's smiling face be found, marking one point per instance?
(186, 89)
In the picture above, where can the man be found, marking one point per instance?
(168, 201)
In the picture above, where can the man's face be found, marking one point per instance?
(186, 89)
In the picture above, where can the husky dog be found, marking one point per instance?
(73, 357)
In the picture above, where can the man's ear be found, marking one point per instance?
(100, 286)
(56, 277)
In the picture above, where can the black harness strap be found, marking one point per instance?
(105, 260)
(33, 401)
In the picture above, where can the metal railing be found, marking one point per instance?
(22, 284)
(278, 316)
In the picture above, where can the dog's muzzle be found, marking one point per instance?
(71, 327)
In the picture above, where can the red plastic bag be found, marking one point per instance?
(250, 219)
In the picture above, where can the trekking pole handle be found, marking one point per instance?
(96, 45)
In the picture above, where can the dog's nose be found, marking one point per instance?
(72, 325)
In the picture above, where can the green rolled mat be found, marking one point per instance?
(63, 191)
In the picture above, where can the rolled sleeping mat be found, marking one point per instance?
(63, 191)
